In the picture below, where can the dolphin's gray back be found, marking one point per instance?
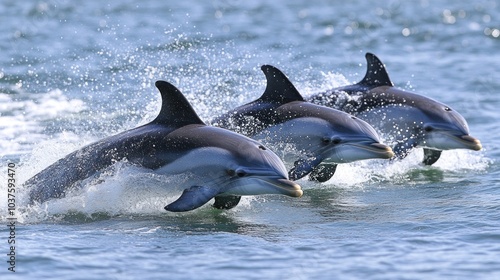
(248, 119)
(346, 98)
(258, 115)
(136, 146)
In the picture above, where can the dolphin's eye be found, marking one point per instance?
(428, 128)
(239, 173)
(447, 109)
(262, 147)
(327, 140)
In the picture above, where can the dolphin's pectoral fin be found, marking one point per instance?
(401, 150)
(226, 201)
(431, 156)
(302, 167)
(323, 172)
(192, 198)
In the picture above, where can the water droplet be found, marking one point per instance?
(406, 32)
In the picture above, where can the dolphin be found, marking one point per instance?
(321, 137)
(406, 119)
(223, 164)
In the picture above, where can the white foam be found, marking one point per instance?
(463, 160)
(359, 173)
(122, 189)
(328, 81)
(23, 114)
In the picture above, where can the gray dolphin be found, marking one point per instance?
(322, 137)
(406, 119)
(224, 164)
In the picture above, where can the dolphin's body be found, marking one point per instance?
(222, 163)
(322, 137)
(406, 120)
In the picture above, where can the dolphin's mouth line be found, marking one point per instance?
(469, 142)
(381, 150)
(466, 140)
(285, 186)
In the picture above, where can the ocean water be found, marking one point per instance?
(72, 73)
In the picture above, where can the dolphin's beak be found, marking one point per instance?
(376, 150)
(289, 188)
(470, 142)
(285, 186)
(448, 140)
(381, 150)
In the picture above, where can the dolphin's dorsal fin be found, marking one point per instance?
(279, 89)
(376, 75)
(175, 109)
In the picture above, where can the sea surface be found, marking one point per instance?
(73, 72)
